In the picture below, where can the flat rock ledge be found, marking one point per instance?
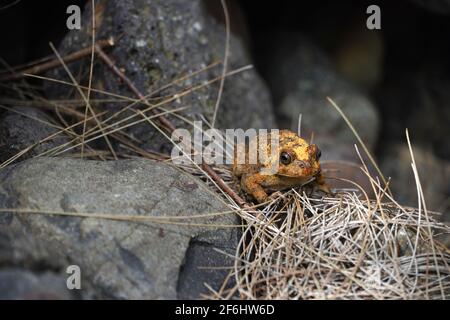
(117, 259)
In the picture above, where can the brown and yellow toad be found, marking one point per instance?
(296, 163)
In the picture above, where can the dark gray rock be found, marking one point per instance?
(434, 175)
(158, 41)
(20, 284)
(301, 77)
(214, 266)
(118, 259)
(24, 128)
(418, 100)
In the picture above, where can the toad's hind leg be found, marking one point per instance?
(252, 185)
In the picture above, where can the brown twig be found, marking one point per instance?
(223, 185)
(55, 62)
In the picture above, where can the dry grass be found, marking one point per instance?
(341, 247)
(346, 246)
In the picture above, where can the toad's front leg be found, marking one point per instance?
(251, 183)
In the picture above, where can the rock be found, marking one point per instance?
(24, 128)
(336, 171)
(359, 57)
(19, 284)
(437, 6)
(434, 175)
(301, 77)
(418, 100)
(201, 256)
(158, 41)
(118, 259)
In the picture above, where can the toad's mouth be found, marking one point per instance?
(305, 176)
(304, 179)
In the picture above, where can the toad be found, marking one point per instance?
(295, 161)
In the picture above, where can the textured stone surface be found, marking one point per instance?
(434, 174)
(301, 78)
(158, 41)
(24, 128)
(118, 259)
(20, 284)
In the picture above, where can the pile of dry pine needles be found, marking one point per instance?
(341, 247)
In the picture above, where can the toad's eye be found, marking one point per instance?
(318, 154)
(285, 158)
